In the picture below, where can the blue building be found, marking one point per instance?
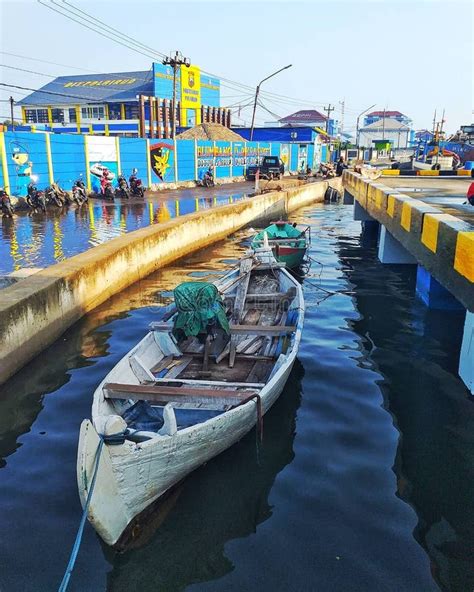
(393, 115)
(109, 103)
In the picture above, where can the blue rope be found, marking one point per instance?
(80, 531)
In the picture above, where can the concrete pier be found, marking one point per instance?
(392, 251)
(466, 362)
(34, 312)
(437, 237)
(432, 293)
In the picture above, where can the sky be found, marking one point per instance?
(409, 56)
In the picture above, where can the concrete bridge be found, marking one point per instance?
(434, 231)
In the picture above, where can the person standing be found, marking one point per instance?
(341, 165)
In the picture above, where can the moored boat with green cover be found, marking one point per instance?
(288, 243)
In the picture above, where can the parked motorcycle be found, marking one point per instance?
(79, 192)
(106, 188)
(6, 204)
(207, 179)
(53, 195)
(136, 185)
(35, 198)
(123, 189)
(326, 170)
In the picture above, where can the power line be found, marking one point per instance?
(91, 20)
(15, 55)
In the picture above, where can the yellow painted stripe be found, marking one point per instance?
(49, 157)
(464, 255)
(117, 150)
(429, 234)
(148, 163)
(390, 172)
(406, 216)
(378, 199)
(463, 173)
(3, 153)
(428, 173)
(391, 206)
(88, 173)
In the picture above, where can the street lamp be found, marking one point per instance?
(256, 96)
(357, 124)
(174, 62)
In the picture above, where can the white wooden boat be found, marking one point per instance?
(209, 395)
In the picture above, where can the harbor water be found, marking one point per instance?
(365, 478)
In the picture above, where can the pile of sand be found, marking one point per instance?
(210, 131)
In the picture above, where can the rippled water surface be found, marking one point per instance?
(34, 239)
(364, 481)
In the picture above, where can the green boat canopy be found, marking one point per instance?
(199, 304)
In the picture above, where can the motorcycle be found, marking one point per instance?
(136, 186)
(54, 195)
(79, 193)
(6, 204)
(207, 179)
(123, 189)
(106, 188)
(35, 198)
(326, 171)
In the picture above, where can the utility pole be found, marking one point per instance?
(174, 62)
(328, 110)
(12, 101)
(343, 106)
(434, 121)
(257, 90)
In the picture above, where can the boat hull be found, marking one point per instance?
(292, 257)
(133, 477)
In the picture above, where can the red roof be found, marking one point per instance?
(304, 115)
(385, 114)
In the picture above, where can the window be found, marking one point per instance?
(131, 111)
(93, 112)
(114, 111)
(30, 116)
(72, 116)
(36, 115)
(57, 115)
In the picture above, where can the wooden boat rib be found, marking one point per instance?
(209, 395)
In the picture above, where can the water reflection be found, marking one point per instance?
(34, 239)
(225, 500)
(418, 357)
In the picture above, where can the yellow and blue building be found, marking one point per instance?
(108, 104)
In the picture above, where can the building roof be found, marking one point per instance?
(387, 124)
(303, 116)
(92, 88)
(385, 114)
(210, 131)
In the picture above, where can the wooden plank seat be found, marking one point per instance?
(239, 329)
(161, 394)
(184, 394)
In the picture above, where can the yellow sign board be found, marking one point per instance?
(190, 91)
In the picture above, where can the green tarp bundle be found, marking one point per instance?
(198, 304)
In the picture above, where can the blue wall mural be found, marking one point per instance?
(26, 155)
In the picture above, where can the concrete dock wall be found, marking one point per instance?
(441, 243)
(37, 310)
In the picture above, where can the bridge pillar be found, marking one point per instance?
(391, 250)
(466, 361)
(433, 294)
(348, 198)
(361, 214)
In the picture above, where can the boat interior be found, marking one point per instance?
(170, 382)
